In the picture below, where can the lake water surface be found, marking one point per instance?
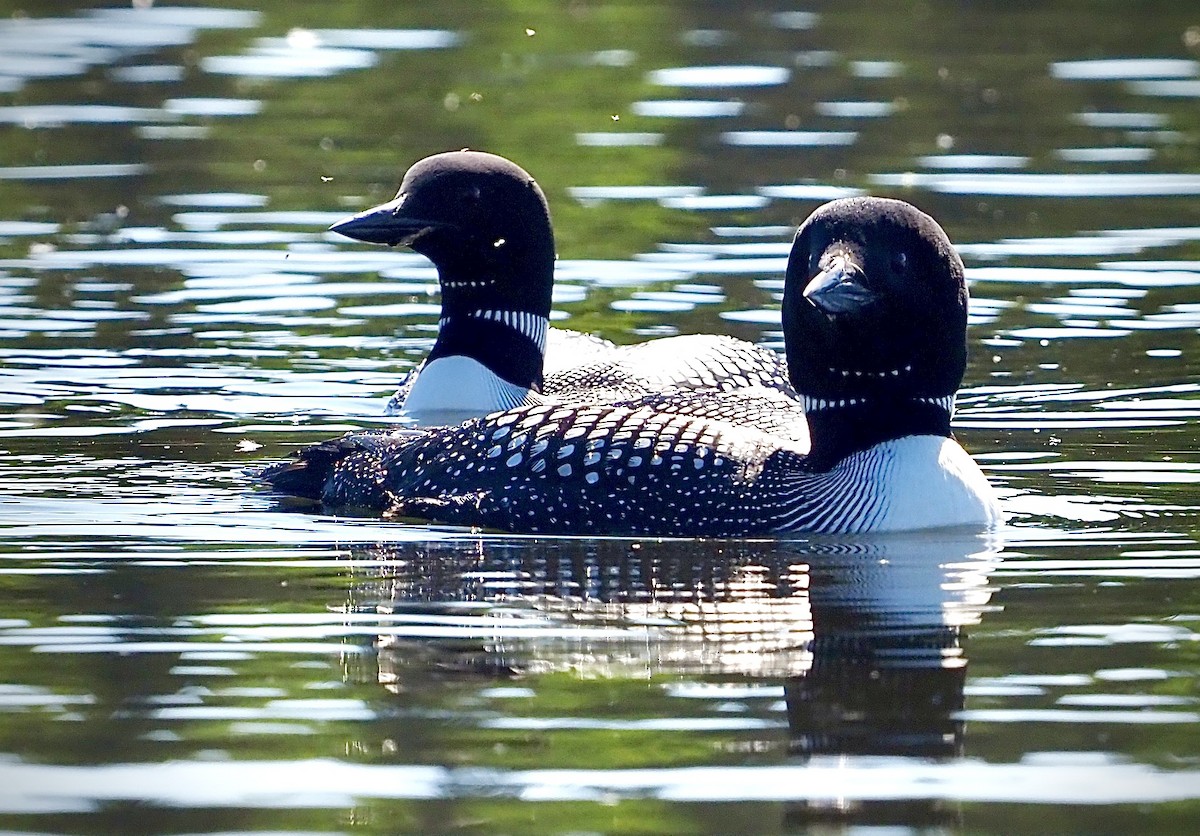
(179, 653)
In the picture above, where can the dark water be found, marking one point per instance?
(180, 655)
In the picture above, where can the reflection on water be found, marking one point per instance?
(748, 608)
(842, 665)
(1048, 185)
(865, 638)
(179, 656)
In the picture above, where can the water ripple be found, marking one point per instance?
(212, 106)
(972, 161)
(58, 115)
(876, 69)
(721, 76)
(1048, 185)
(1122, 119)
(789, 139)
(50, 47)
(279, 58)
(319, 784)
(1122, 274)
(387, 39)
(72, 172)
(1175, 89)
(809, 191)
(620, 139)
(856, 110)
(1124, 154)
(687, 108)
(1110, 69)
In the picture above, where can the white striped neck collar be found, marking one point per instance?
(813, 405)
(532, 326)
(839, 427)
(510, 343)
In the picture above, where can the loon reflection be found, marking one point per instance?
(865, 636)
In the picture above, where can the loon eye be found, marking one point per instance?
(900, 261)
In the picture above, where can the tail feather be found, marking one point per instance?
(310, 471)
(321, 472)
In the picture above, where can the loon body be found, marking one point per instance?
(874, 315)
(485, 224)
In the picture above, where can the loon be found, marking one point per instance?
(874, 320)
(485, 224)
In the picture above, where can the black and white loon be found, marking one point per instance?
(485, 224)
(874, 318)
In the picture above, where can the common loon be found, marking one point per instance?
(485, 224)
(874, 319)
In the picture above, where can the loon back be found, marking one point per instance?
(586, 370)
(698, 362)
(640, 471)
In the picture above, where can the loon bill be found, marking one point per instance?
(874, 318)
(485, 224)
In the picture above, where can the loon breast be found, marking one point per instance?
(934, 483)
(450, 390)
(904, 484)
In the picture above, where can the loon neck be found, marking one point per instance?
(841, 427)
(510, 343)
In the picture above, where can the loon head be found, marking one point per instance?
(875, 306)
(484, 223)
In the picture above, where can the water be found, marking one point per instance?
(182, 654)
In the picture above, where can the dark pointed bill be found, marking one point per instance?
(384, 224)
(838, 289)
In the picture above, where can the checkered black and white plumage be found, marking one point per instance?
(634, 469)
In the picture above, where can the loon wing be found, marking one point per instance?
(311, 471)
(700, 362)
(767, 409)
(395, 404)
(567, 349)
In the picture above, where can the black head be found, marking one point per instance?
(481, 219)
(874, 305)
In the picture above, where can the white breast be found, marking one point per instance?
(931, 482)
(450, 390)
